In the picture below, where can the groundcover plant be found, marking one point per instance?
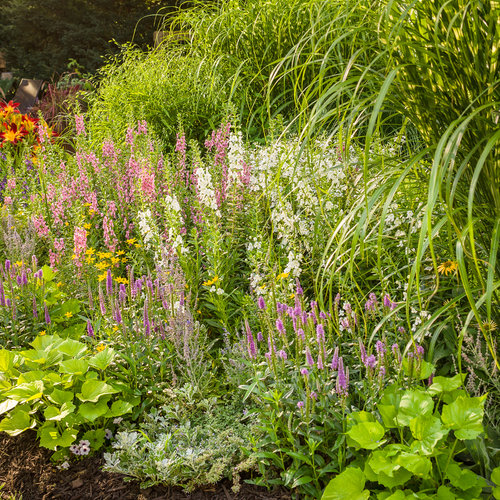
(285, 273)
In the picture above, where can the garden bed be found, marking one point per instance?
(26, 470)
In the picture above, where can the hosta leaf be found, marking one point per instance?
(465, 416)
(428, 430)
(7, 405)
(26, 392)
(367, 435)
(74, 366)
(56, 414)
(72, 348)
(60, 397)
(102, 359)
(93, 389)
(446, 384)
(348, 485)
(7, 359)
(18, 421)
(414, 404)
(91, 411)
(51, 437)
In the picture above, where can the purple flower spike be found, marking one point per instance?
(342, 380)
(279, 326)
(90, 330)
(252, 351)
(320, 362)
(7, 265)
(335, 359)
(313, 395)
(420, 351)
(304, 372)
(362, 351)
(298, 290)
(320, 333)
(261, 303)
(102, 304)
(118, 314)
(282, 354)
(260, 337)
(47, 316)
(309, 359)
(2, 294)
(147, 324)
(109, 283)
(371, 361)
(19, 281)
(35, 310)
(300, 334)
(300, 404)
(381, 372)
(380, 348)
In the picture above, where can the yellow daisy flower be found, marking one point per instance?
(447, 267)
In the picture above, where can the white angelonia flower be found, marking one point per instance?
(206, 191)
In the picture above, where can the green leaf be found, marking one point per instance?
(60, 397)
(446, 384)
(398, 477)
(26, 392)
(72, 348)
(464, 479)
(429, 430)
(18, 421)
(92, 411)
(51, 438)
(48, 273)
(420, 466)
(57, 414)
(72, 306)
(389, 405)
(465, 416)
(381, 462)
(301, 480)
(31, 376)
(96, 438)
(414, 404)
(42, 342)
(444, 493)
(93, 389)
(367, 435)
(102, 359)
(7, 405)
(74, 366)
(495, 476)
(348, 485)
(7, 359)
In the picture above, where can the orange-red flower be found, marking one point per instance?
(8, 108)
(13, 134)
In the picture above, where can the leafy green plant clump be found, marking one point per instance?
(185, 443)
(62, 390)
(413, 445)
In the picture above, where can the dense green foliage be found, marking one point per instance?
(338, 279)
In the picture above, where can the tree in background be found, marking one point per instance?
(39, 38)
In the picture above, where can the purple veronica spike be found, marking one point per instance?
(380, 348)
(118, 314)
(337, 300)
(122, 294)
(309, 358)
(260, 337)
(401, 329)
(371, 361)
(261, 303)
(19, 280)
(109, 283)
(304, 372)
(47, 316)
(7, 265)
(35, 310)
(335, 359)
(24, 278)
(147, 324)
(381, 372)
(300, 334)
(298, 290)
(282, 354)
(320, 333)
(90, 330)
(102, 304)
(320, 362)
(420, 351)
(313, 395)
(252, 351)
(279, 326)
(362, 351)
(300, 404)
(2, 294)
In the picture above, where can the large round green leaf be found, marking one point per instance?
(465, 416)
(348, 485)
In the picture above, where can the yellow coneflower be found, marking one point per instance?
(447, 267)
(100, 347)
(489, 326)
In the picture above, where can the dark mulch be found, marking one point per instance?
(26, 470)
